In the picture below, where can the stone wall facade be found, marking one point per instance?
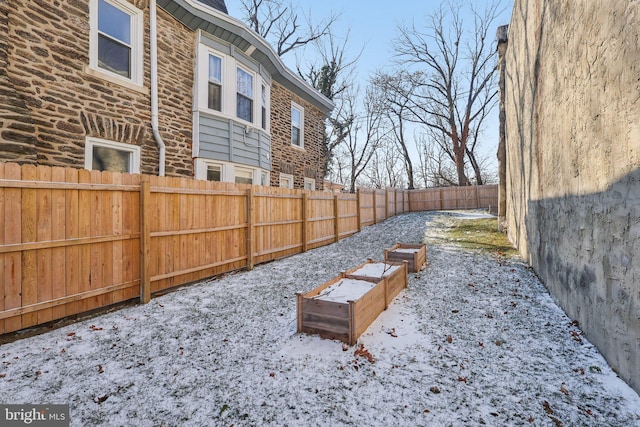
(572, 113)
(58, 101)
(287, 158)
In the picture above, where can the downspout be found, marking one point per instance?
(153, 58)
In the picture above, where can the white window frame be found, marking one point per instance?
(221, 82)
(310, 184)
(299, 108)
(286, 180)
(134, 150)
(229, 92)
(137, 38)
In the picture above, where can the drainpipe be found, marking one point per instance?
(153, 42)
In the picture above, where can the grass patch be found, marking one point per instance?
(480, 234)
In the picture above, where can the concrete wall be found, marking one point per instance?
(572, 107)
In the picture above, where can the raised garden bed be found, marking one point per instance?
(415, 255)
(344, 307)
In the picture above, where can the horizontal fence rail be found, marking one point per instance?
(75, 240)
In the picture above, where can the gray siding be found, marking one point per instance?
(226, 140)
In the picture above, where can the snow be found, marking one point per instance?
(375, 269)
(475, 339)
(345, 290)
(407, 250)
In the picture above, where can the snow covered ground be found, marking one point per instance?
(473, 340)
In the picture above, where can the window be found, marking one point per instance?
(310, 184)
(116, 39)
(264, 108)
(244, 102)
(214, 173)
(264, 178)
(215, 83)
(297, 125)
(244, 176)
(111, 156)
(286, 181)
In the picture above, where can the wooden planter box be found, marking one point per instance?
(415, 255)
(344, 307)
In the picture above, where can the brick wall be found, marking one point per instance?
(289, 159)
(54, 102)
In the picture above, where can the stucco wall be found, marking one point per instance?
(572, 103)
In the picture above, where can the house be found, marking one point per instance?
(571, 118)
(167, 87)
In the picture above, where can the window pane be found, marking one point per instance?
(114, 56)
(244, 177)
(245, 108)
(215, 69)
(245, 83)
(114, 22)
(110, 159)
(295, 136)
(213, 173)
(264, 108)
(215, 96)
(295, 118)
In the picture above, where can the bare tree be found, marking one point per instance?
(397, 106)
(280, 24)
(386, 168)
(450, 83)
(363, 134)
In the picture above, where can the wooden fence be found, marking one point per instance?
(75, 240)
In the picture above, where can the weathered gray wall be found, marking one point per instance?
(572, 107)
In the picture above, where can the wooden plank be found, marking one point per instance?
(58, 222)
(145, 240)
(106, 229)
(117, 273)
(250, 228)
(2, 256)
(305, 224)
(72, 253)
(29, 258)
(96, 275)
(84, 230)
(12, 279)
(336, 223)
(43, 256)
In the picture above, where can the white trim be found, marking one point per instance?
(286, 180)
(228, 171)
(311, 182)
(134, 150)
(137, 40)
(297, 107)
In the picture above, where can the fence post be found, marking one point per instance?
(358, 206)
(250, 208)
(304, 222)
(375, 207)
(145, 239)
(336, 225)
(386, 202)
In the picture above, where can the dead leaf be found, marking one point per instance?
(100, 399)
(555, 420)
(547, 407)
(345, 347)
(70, 334)
(498, 343)
(100, 369)
(462, 379)
(392, 332)
(435, 390)
(95, 328)
(363, 352)
(426, 411)
(449, 339)
(564, 390)
(481, 344)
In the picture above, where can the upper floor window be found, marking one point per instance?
(244, 101)
(297, 125)
(116, 39)
(263, 114)
(111, 156)
(215, 83)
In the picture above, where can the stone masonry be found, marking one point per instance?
(286, 158)
(50, 102)
(572, 110)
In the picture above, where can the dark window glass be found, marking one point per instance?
(110, 159)
(245, 108)
(114, 56)
(245, 96)
(215, 96)
(114, 39)
(213, 173)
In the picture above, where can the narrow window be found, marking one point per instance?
(245, 96)
(244, 176)
(111, 156)
(214, 173)
(297, 120)
(264, 107)
(215, 83)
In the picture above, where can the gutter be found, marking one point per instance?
(153, 59)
